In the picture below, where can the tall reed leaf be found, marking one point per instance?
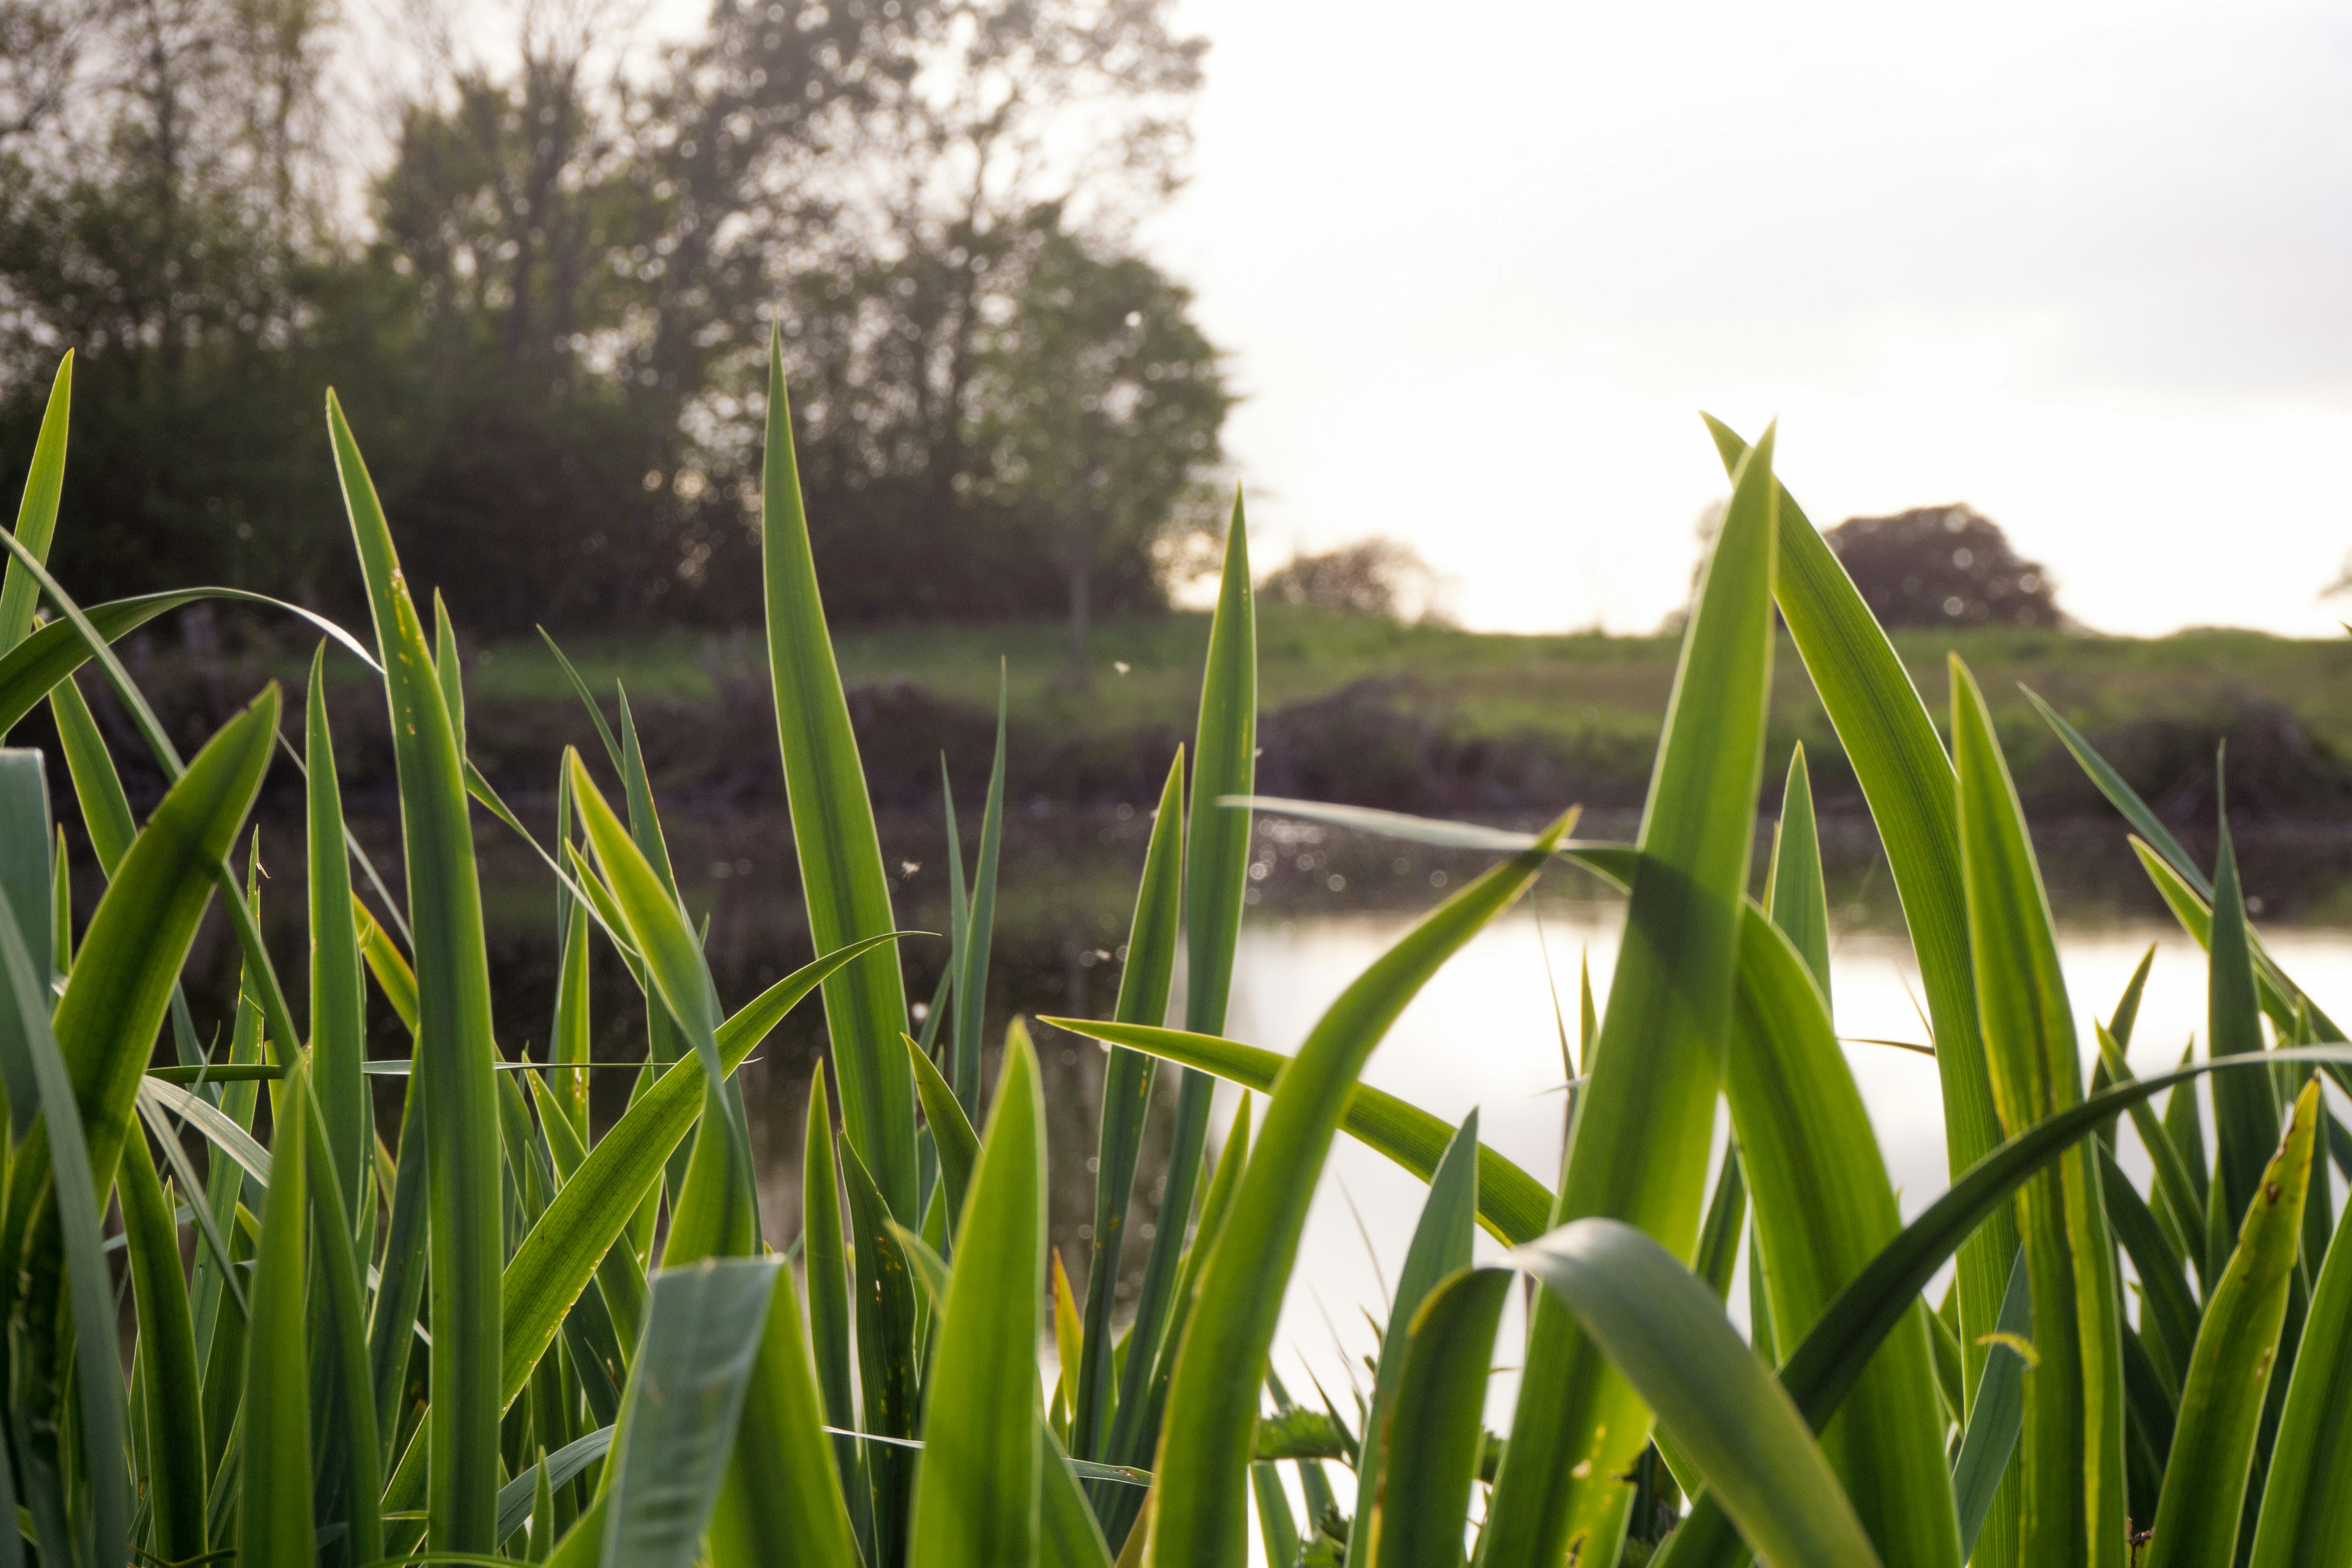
(2198, 1518)
(833, 826)
(783, 1498)
(1647, 1122)
(1143, 988)
(338, 1000)
(1413, 1512)
(274, 1528)
(1907, 780)
(171, 1389)
(455, 1051)
(37, 512)
(1201, 1520)
(1662, 1327)
(976, 1488)
(2072, 1453)
(705, 1327)
(2307, 1513)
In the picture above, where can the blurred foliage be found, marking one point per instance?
(1943, 566)
(546, 295)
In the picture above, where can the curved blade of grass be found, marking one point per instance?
(976, 1492)
(2171, 1313)
(1512, 1206)
(1823, 1209)
(2306, 1510)
(168, 1385)
(1822, 1369)
(1067, 1535)
(1662, 1327)
(2197, 1517)
(958, 1144)
(1996, 1412)
(114, 1005)
(1440, 1248)
(1907, 779)
(2071, 1457)
(2175, 1187)
(1202, 1518)
(832, 826)
(273, 1526)
(515, 1498)
(37, 512)
(455, 1048)
(1143, 989)
(705, 1326)
(1645, 1123)
(338, 1000)
(555, 1260)
(783, 1498)
(99, 1384)
(1415, 1515)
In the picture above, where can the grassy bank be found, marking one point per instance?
(1436, 718)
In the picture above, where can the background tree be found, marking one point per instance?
(1943, 566)
(548, 299)
(1370, 577)
(1099, 403)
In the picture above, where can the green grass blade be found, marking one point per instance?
(516, 1499)
(783, 1498)
(976, 1492)
(958, 1144)
(825, 1261)
(2120, 794)
(1662, 1327)
(455, 1048)
(2198, 1518)
(273, 1526)
(1216, 868)
(400, 1286)
(1440, 1248)
(2306, 1510)
(2071, 1457)
(1143, 989)
(29, 885)
(2170, 1314)
(100, 1382)
(705, 1328)
(1416, 1513)
(1716, 1256)
(833, 826)
(1201, 1517)
(37, 512)
(2175, 1188)
(886, 1319)
(1995, 1413)
(170, 1386)
(1067, 1535)
(1645, 1123)
(1823, 1209)
(1512, 1205)
(338, 998)
(1793, 893)
(556, 1259)
(2245, 1111)
(1890, 740)
(354, 1463)
(972, 977)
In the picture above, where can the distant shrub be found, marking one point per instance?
(1943, 566)
(1369, 577)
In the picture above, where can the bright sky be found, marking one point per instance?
(2086, 266)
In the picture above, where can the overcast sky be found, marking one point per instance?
(2087, 267)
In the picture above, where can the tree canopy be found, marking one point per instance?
(1943, 566)
(546, 295)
